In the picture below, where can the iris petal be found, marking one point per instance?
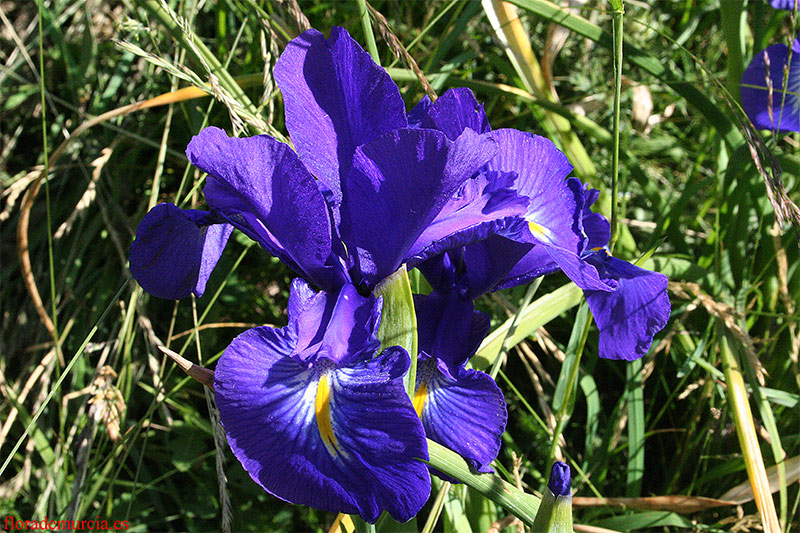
(449, 327)
(262, 188)
(398, 184)
(762, 106)
(482, 206)
(629, 317)
(454, 111)
(175, 251)
(464, 410)
(336, 99)
(338, 437)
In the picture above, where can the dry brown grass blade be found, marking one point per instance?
(198, 373)
(743, 492)
(400, 51)
(23, 246)
(675, 504)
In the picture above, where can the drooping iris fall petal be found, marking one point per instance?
(316, 419)
(175, 250)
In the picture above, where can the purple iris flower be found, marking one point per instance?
(762, 93)
(316, 418)
(460, 408)
(783, 4)
(363, 194)
(558, 231)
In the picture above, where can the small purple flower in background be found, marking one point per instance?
(784, 4)
(316, 418)
(762, 90)
(460, 408)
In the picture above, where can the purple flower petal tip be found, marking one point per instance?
(176, 250)
(631, 315)
(560, 478)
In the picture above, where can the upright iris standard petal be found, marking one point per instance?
(175, 250)
(482, 206)
(336, 99)
(555, 208)
(460, 408)
(398, 184)
(629, 316)
(452, 113)
(336, 434)
(762, 93)
(262, 188)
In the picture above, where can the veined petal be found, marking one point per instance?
(462, 409)
(175, 250)
(386, 434)
(554, 210)
(339, 327)
(484, 205)
(449, 327)
(452, 113)
(336, 99)
(773, 110)
(630, 316)
(263, 189)
(398, 184)
(343, 438)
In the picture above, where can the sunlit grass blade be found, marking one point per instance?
(746, 431)
(509, 30)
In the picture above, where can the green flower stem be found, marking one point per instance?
(524, 506)
(366, 24)
(555, 514)
(399, 320)
(618, 11)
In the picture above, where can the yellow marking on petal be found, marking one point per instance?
(419, 399)
(540, 232)
(322, 405)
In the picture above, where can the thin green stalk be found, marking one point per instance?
(366, 25)
(436, 508)
(503, 353)
(524, 506)
(50, 258)
(658, 68)
(618, 11)
(62, 377)
(635, 407)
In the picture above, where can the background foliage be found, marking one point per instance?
(121, 434)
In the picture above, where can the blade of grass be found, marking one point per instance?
(366, 26)
(688, 90)
(509, 30)
(746, 430)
